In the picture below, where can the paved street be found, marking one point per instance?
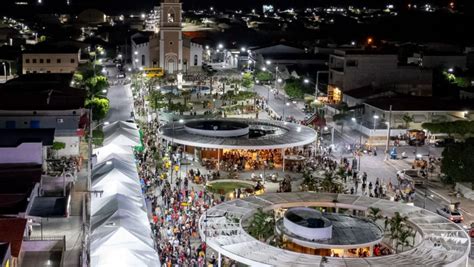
(277, 104)
(121, 100)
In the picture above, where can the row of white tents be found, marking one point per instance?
(120, 228)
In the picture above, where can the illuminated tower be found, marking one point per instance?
(171, 38)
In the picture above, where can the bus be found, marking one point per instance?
(153, 72)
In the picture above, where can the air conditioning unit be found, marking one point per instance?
(60, 120)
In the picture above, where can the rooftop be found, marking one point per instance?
(51, 49)
(262, 134)
(419, 103)
(11, 231)
(15, 137)
(443, 242)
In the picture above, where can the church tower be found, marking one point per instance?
(171, 38)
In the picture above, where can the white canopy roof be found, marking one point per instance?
(114, 126)
(122, 139)
(105, 151)
(125, 257)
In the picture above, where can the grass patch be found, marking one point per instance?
(227, 187)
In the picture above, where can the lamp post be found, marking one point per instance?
(375, 121)
(5, 70)
(284, 106)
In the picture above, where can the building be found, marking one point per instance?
(351, 69)
(40, 101)
(50, 59)
(141, 51)
(171, 36)
(224, 228)
(433, 59)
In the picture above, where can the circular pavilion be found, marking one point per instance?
(216, 139)
(439, 242)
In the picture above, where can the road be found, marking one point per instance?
(277, 104)
(121, 100)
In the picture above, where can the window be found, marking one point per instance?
(351, 63)
(48, 61)
(143, 60)
(34, 60)
(195, 60)
(58, 60)
(27, 60)
(35, 124)
(73, 60)
(171, 17)
(171, 43)
(41, 61)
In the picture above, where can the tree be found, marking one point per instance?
(96, 85)
(155, 98)
(374, 214)
(247, 80)
(403, 239)
(294, 88)
(169, 97)
(461, 127)
(263, 76)
(186, 96)
(407, 119)
(458, 163)
(262, 225)
(100, 107)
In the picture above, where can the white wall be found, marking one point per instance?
(68, 63)
(141, 50)
(72, 145)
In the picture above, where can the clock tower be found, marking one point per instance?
(171, 38)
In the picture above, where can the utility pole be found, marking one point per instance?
(316, 86)
(389, 125)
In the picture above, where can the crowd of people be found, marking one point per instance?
(175, 209)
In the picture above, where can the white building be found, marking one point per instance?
(45, 59)
(141, 51)
(351, 69)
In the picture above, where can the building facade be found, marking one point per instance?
(171, 37)
(62, 60)
(351, 69)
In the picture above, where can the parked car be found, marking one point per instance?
(451, 214)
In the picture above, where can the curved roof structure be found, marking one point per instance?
(443, 243)
(260, 134)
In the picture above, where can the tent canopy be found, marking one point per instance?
(122, 139)
(129, 169)
(114, 126)
(112, 148)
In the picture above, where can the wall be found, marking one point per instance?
(138, 51)
(72, 145)
(376, 70)
(62, 120)
(68, 63)
(24, 153)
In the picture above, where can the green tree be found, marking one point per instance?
(186, 95)
(262, 225)
(458, 163)
(169, 98)
(407, 119)
(263, 76)
(294, 88)
(247, 80)
(96, 85)
(374, 214)
(100, 107)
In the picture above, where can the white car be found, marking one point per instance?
(453, 215)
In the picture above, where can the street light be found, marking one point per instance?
(242, 49)
(268, 62)
(353, 119)
(279, 80)
(375, 120)
(220, 46)
(284, 106)
(264, 69)
(450, 70)
(306, 81)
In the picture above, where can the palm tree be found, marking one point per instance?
(398, 224)
(262, 225)
(403, 238)
(374, 214)
(186, 96)
(407, 119)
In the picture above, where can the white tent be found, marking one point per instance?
(118, 201)
(127, 168)
(125, 257)
(122, 139)
(112, 127)
(105, 151)
(137, 249)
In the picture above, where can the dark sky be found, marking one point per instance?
(114, 5)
